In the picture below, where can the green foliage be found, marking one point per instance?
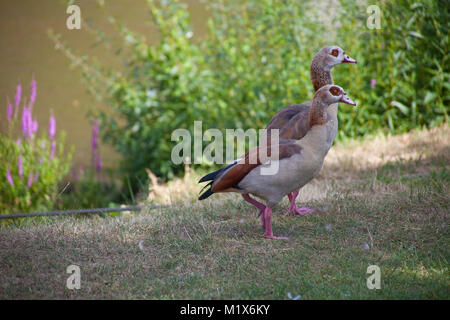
(255, 60)
(257, 52)
(409, 60)
(89, 192)
(161, 90)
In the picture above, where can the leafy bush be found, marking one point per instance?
(255, 60)
(31, 167)
(89, 192)
(403, 72)
(92, 186)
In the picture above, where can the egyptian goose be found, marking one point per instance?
(293, 120)
(297, 161)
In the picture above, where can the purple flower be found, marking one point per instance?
(52, 127)
(18, 96)
(34, 126)
(373, 83)
(20, 165)
(36, 177)
(33, 92)
(25, 120)
(52, 150)
(95, 131)
(9, 111)
(30, 180)
(75, 174)
(96, 159)
(27, 123)
(9, 178)
(98, 164)
(18, 141)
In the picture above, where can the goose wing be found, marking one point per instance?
(234, 173)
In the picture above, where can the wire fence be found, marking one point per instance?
(77, 211)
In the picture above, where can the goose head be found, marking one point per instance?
(330, 94)
(332, 56)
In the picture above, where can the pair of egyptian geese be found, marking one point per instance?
(306, 133)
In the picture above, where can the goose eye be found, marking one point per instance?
(335, 52)
(335, 91)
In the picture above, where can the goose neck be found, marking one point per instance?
(317, 113)
(320, 74)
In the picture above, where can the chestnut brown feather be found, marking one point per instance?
(251, 160)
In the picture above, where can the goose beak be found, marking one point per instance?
(347, 59)
(347, 100)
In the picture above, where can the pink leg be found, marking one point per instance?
(268, 223)
(304, 211)
(257, 204)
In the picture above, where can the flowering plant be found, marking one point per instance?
(31, 166)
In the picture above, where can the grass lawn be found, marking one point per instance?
(382, 201)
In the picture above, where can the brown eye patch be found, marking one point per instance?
(335, 91)
(335, 52)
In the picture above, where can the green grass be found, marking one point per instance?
(398, 206)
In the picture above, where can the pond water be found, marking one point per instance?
(26, 50)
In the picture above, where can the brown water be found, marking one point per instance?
(25, 49)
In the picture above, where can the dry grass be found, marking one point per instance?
(382, 201)
(356, 156)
